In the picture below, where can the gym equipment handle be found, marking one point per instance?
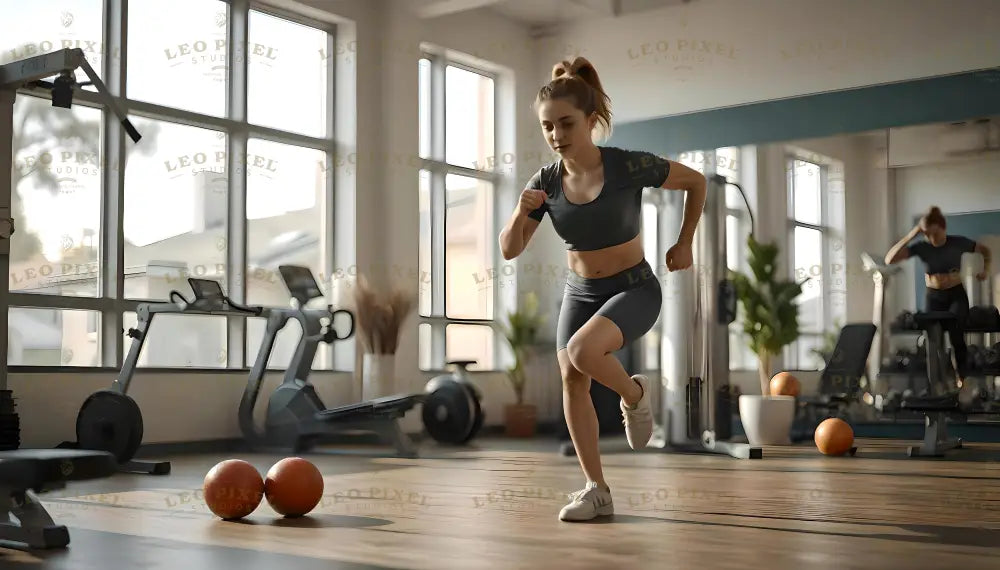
(331, 333)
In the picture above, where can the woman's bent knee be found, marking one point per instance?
(573, 380)
(577, 352)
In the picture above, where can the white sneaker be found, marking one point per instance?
(587, 503)
(638, 419)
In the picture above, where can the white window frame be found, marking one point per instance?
(791, 351)
(110, 301)
(438, 168)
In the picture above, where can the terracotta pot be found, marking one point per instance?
(520, 420)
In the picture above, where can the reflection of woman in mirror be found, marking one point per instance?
(942, 256)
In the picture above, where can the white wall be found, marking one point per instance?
(175, 406)
(716, 53)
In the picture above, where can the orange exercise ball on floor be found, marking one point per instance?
(834, 436)
(784, 384)
(293, 487)
(233, 489)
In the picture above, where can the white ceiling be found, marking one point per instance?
(542, 16)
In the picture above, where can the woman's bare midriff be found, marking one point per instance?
(608, 261)
(942, 280)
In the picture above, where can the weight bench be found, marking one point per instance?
(937, 408)
(25, 472)
(840, 382)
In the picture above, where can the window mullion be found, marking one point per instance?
(111, 276)
(438, 210)
(238, 139)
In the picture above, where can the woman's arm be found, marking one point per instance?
(516, 234)
(900, 251)
(522, 225)
(684, 178)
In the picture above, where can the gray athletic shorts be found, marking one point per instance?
(631, 299)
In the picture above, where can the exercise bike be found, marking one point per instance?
(297, 419)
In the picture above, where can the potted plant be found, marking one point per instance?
(379, 318)
(521, 332)
(770, 322)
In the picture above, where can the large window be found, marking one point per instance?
(229, 181)
(815, 211)
(457, 210)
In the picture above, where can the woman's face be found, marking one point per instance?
(565, 127)
(933, 232)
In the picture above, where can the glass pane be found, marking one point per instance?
(424, 253)
(285, 343)
(650, 235)
(471, 342)
(808, 262)
(424, 106)
(425, 347)
(282, 54)
(727, 163)
(44, 26)
(735, 242)
(55, 199)
(188, 341)
(740, 355)
(177, 54)
(176, 207)
(286, 194)
(469, 245)
(469, 118)
(806, 197)
(802, 355)
(53, 337)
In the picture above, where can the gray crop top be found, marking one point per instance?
(615, 216)
(946, 258)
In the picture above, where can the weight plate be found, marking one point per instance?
(112, 422)
(448, 413)
(478, 422)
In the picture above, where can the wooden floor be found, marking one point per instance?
(495, 506)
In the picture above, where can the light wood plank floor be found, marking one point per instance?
(495, 506)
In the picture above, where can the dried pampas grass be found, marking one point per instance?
(379, 317)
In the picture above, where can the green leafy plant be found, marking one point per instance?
(521, 332)
(770, 314)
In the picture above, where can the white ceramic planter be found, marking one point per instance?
(767, 420)
(378, 376)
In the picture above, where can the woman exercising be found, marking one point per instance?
(612, 297)
(942, 255)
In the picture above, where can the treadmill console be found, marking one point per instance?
(300, 283)
(207, 293)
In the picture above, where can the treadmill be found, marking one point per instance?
(297, 419)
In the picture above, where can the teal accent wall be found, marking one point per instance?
(938, 99)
